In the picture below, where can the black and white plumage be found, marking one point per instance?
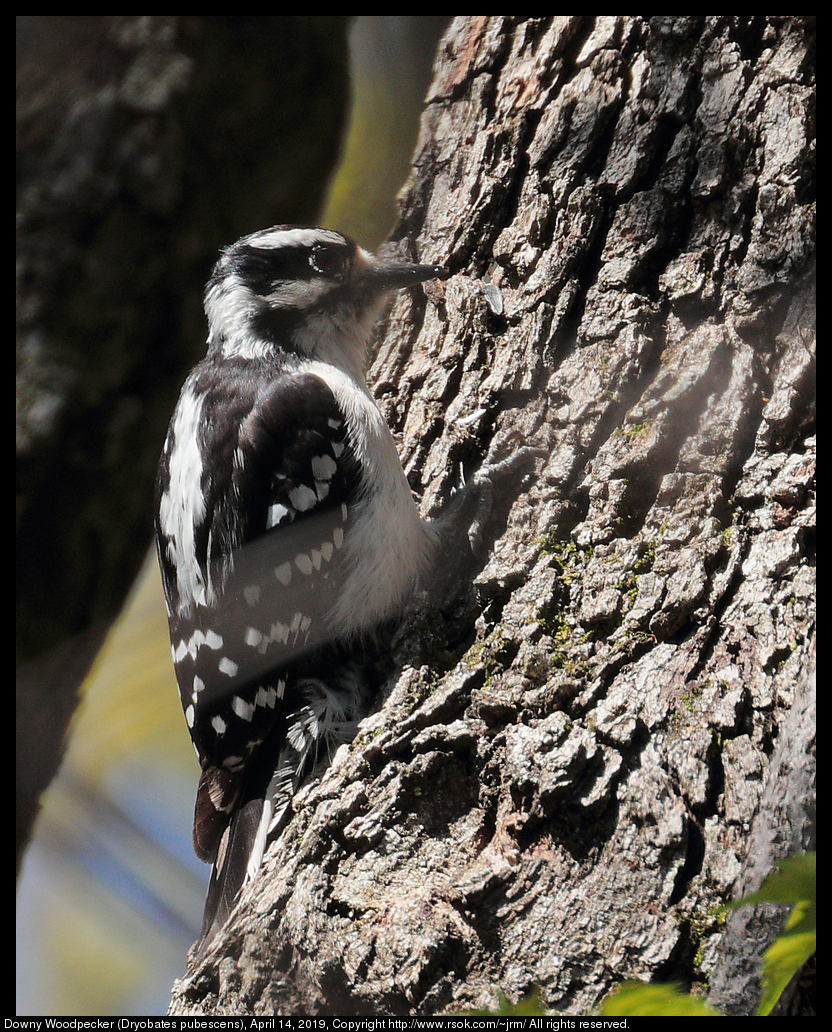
(286, 530)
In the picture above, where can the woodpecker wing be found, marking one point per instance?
(266, 534)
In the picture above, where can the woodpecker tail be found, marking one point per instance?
(324, 717)
(229, 870)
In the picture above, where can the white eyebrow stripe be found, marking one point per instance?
(294, 238)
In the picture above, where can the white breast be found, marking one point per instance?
(388, 545)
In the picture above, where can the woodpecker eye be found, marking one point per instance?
(328, 260)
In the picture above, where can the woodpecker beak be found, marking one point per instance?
(392, 275)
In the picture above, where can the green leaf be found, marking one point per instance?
(529, 1006)
(793, 880)
(781, 961)
(633, 999)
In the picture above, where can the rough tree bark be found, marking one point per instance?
(561, 789)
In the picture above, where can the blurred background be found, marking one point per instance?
(110, 895)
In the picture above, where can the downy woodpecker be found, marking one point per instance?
(286, 531)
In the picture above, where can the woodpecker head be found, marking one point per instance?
(296, 289)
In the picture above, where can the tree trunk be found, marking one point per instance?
(563, 787)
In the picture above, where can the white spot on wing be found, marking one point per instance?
(303, 563)
(243, 709)
(302, 497)
(300, 625)
(266, 697)
(228, 666)
(220, 726)
(279, 632)
(277, 513)
(283, 573)
(323, 467)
